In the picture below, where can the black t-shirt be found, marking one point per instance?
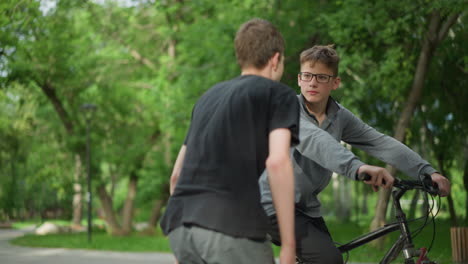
(227, 146)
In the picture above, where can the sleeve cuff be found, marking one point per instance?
(354, 169)
(427, 170)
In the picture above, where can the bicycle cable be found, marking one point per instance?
(434, 226)
(433, 216)
(428, 213)
(426, 217)
(412, 220)
(432, 219)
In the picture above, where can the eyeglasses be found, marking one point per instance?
(321, 78)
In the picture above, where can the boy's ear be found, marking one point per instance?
(336, 83)
(275, 60)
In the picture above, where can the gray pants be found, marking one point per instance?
(195, 245)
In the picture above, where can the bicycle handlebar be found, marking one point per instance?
(425, 183)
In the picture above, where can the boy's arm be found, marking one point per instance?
(389, 150)
(177, 168)
(279, 167)
(320, 147)
(385, 148)
(176, 173)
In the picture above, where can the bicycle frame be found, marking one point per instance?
(357, 242)
(403, 243)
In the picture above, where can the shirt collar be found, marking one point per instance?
(332, 105)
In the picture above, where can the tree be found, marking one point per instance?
(438, 28)
(50, 57)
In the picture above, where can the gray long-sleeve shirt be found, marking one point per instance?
(319, 154)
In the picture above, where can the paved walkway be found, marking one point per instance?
(11, 254)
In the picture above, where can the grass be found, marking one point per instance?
(38, 222)
(341, 232)
(99, 241)
(21, 225)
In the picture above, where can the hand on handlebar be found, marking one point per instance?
(379, 176)
(442, 183)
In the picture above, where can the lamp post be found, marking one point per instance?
(88, 109)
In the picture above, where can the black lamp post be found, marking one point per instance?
(88, 109)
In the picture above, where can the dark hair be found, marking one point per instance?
(257, 40)
(323, 54)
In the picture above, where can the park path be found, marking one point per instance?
(11, 254)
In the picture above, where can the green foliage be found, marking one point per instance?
(144, 65)
(30, 184)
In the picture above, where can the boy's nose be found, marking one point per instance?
(313, 82)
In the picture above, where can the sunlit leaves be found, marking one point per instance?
(145, 64)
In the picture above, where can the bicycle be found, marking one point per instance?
(405, 241)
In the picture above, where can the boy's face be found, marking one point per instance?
(314, 91)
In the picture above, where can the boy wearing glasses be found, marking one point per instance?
(323, 124)
(238, 128)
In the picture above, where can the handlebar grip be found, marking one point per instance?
(424, 183)
(429, 185)
(363, 176)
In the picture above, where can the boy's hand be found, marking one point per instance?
(287, 255)
(443, 183)
(379, 176)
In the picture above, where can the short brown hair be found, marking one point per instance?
(257, 40)
(323, 54)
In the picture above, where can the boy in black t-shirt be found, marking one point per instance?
(238, 128)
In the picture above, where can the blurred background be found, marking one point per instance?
(127, 73)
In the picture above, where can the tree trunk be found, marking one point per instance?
(113, 177)
(77, 196)
(129, 206)
(156, 210)
(436, 33)
(465, 180)
(164, 191)
(381, 210)
(453, 213)
(11, 196)
(109, 215)
(51, 94)
(128, 209)
(49, 90)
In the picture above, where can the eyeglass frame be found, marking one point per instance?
(316, 75)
